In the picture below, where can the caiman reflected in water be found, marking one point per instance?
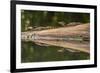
(74, 37)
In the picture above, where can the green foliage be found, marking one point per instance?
(50, 18)
(31, 52)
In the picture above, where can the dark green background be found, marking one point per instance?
(31, 52)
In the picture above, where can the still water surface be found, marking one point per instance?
(31, 52)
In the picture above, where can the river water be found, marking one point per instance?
(31, 52)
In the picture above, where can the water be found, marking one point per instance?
(31, 52)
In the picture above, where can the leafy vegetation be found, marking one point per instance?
(31, 52)
(50, 18)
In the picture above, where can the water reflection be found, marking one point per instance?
(32, 52)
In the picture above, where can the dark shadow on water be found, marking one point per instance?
(31, 52)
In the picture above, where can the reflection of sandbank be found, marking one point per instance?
(80, 46)
(75, 37)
